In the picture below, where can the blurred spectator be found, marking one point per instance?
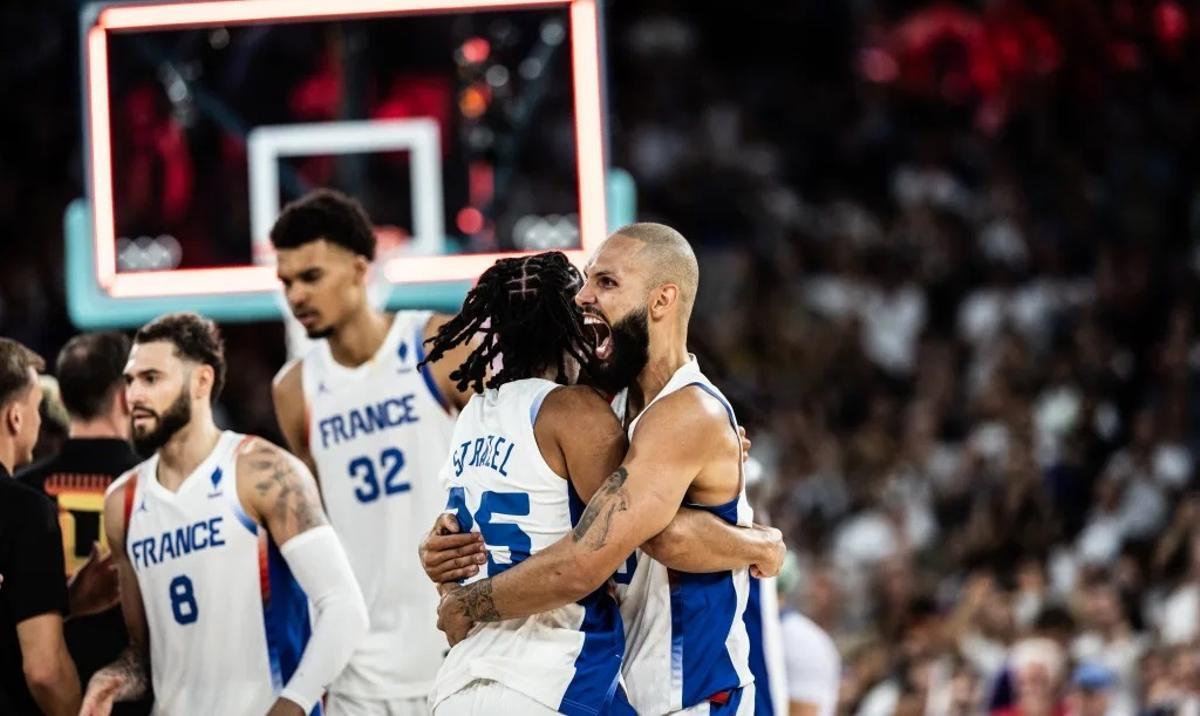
(1091, 692)
(813, 667)
(1037, 667)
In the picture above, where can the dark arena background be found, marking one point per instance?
(949, 255)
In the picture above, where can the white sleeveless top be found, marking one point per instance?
(569, 658)
(378, 434)
(685, 634)
(227, 621)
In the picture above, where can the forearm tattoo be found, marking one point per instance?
(596, 522)
(476, 601)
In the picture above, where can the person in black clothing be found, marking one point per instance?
(89, 370)
(36, 672)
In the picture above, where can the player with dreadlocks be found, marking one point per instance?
(524, 310)
(529, 450)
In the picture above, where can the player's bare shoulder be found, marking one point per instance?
(115, 499)
(278, 487)
(691, 415)
(449, 362)
(580, 406)
(287, 387)
(287, 395)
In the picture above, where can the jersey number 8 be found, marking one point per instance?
(183, 600)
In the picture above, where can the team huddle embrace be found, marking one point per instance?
(537, 505)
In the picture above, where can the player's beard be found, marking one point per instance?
(177, 415)
(317, 333)
(630, 353)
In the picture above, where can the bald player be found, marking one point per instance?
(686, 642)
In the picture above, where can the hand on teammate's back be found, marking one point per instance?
(447, 555)
(745, 443)
(775, 552)
(94, 588)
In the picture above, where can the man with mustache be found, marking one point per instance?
(373, 423)
(221, 545)
(686, 642)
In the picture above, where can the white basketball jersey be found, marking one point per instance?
(228, 622)
(568, 659)
(379, 434)
(685, 636)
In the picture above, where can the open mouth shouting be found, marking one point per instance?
(601, 331)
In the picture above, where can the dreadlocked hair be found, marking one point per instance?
(525, 311)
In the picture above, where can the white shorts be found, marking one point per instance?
(490, 697)
(742, 704)
(342, 705)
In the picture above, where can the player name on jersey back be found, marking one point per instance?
(493, 451)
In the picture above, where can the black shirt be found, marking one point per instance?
(76, 479)
(31, 562)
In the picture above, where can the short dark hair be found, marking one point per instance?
(15, 362)
(89, 370)
(525, 310)
(325, 214)
(194, 337)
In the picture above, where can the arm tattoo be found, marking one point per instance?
(292, 504)
(476, 601)
(596, 521)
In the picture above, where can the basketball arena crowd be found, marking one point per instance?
(950, 281)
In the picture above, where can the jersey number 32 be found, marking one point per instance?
(362, 471)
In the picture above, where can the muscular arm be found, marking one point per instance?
(127, 678)
(278, 490)
(673, 443)
(287, 394)
(700, 542)
(281, 494)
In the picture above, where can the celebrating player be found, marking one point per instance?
(686, 642)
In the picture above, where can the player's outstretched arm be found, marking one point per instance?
(698, 541)
(281, 494)
(127, 678)
(673, 443)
